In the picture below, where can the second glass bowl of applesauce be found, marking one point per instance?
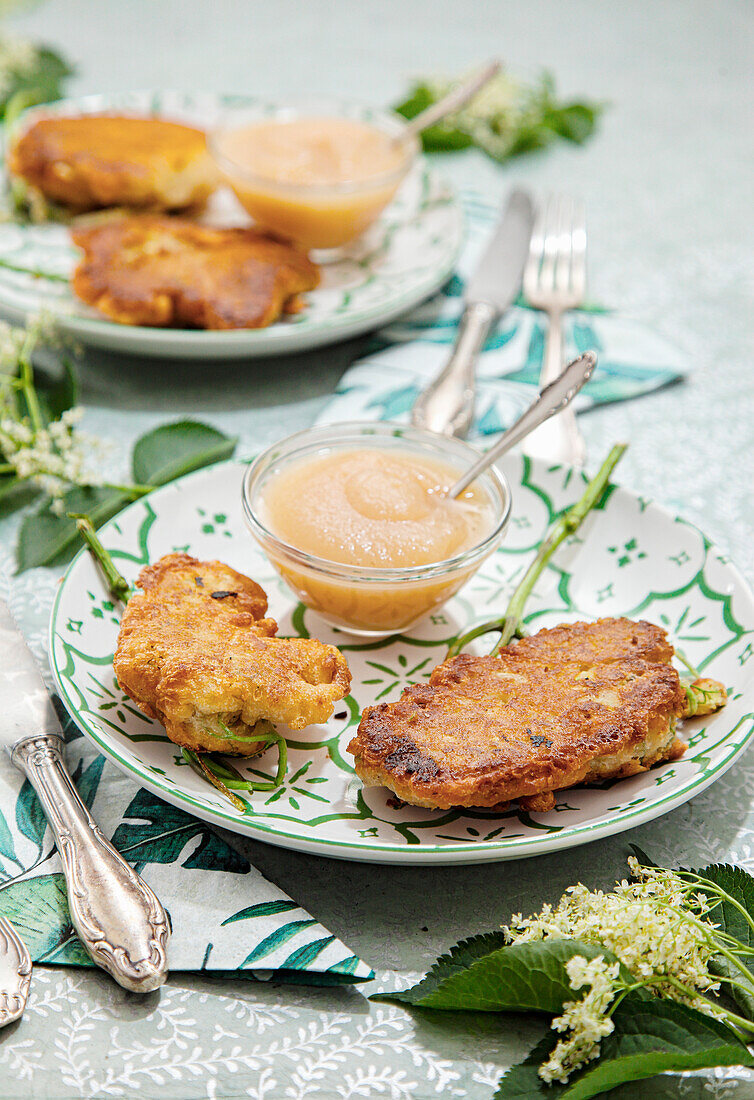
(354, 518)
(318, 174)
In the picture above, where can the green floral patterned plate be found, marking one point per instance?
(631, 558)
(403, 259)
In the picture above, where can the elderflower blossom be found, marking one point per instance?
(18, 56)
(655, 928)
(54, 457)
(586, 1019)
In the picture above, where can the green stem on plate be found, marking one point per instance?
(510, 624)
(116, 582)
(49, 275)
(198, 762)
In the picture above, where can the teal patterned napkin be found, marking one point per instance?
(384, 385)
(226, 917)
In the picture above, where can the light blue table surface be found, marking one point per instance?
(668, 186)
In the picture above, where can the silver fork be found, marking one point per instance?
(554, 281)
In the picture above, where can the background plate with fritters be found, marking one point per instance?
(632, 558)
(404, 258)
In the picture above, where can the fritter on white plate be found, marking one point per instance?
(580, 703)
(87, 162)
(161, 271)
(196, 653)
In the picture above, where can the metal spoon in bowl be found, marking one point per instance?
(449, 103)
(549, 401)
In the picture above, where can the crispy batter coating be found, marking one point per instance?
(580, 703)
(150, 270)
(87, 162)
(194, 648)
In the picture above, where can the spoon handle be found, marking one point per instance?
(549, 401)
(117, 917)
(451, 102)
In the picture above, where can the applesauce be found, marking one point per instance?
(319, 180)
(365, 534)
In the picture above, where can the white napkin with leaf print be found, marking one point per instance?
(226, 916)
(632, 360)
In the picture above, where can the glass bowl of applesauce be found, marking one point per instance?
(354, 518)
(318, 174)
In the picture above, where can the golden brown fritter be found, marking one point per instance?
(87, 162)
(194, 651)
(580, 703)
(149, 270)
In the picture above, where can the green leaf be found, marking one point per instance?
(740, 885)
(519, 977)
(159, 833)
(59, 395)
(87, 780)
(641, 855)
(15, 492)
(176, 449)
(38, 909)
(445, 139)
(42, 82)
(576, 121)
(651, 1036)
(30, 817)
(46, 538)
(6, 839)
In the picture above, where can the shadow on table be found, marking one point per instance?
(402, 917)
(197, 386)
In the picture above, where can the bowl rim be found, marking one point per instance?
(348, 435)
(385, 120)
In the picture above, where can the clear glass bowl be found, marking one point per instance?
(361, 599)
(319, 216)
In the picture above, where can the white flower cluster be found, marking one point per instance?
(54, 457)
(653, 926)
(586, 1019)
(491, 115)
(18, 56)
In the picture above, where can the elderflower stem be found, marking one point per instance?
(713, 888)
(130, 490)
(510, 623)
(567, 525)
(116, 582)
(26, 376)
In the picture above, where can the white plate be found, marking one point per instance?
(403, 259)
(632, 558)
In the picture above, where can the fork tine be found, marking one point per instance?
(578, 249)
(536, 252)
(547, 272)
(565, 244)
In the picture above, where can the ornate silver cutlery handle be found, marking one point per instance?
(119, 920)
(15, 973)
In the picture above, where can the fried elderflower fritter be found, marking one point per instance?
(87, 162)
(196, 653)
(149, 270)
(580, 703)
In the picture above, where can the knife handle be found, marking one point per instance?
(117, 917)
(446, 406)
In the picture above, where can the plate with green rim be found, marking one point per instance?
(403, 259)
(630, 558)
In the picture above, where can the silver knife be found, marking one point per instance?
(447, 404)
(117, 917)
